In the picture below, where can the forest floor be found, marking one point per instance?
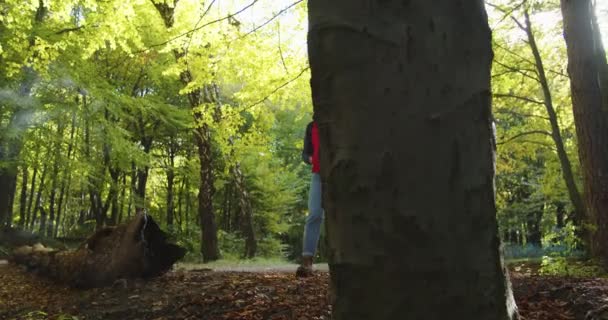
(264, 292)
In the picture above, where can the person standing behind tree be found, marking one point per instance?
(312, 228)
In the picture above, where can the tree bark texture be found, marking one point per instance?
(401, 94)
(590, 115)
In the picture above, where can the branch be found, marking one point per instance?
(62, 31)
(269, 20)
(520, 25)
(276, 89)
(514, 53)
(229, 16)
(513, 96)
(186, 50)
(280, 49)
(505, 111)
(505, 12)
(517, 71)
(523, 134)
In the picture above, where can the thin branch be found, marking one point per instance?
(505, 12)
(514, 96)
(229, 16)
(523, 134)
(514, 53)
(62, 31)
(276, 89)
(269, 20)
(515, 113)
(186, 50)
(519, 24)
(280, 49)
(516, 70)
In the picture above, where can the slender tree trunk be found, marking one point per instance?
(590, 114)
(67, 175)
(11, 200)
(534, 233)
(170, 182)
(142, 179)
(246, 211)
(123, 197)
(23, 198)
(188, 209)
(28, 216)
(180, 201)
(566, 166)
(4, 184)
(54, 182)
(113, 196)
(38, 203)
(401, 94)
(560, 214)
(133, 184)
(9, 152)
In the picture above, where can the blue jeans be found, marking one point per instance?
(312, 229)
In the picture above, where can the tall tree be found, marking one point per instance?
(401, 93)
(202, 136)
(586, 66)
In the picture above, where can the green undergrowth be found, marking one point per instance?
(230, 263)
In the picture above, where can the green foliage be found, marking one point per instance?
(563, 266)
(93, 100)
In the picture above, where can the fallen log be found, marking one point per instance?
(137, 249)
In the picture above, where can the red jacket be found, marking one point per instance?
(315, 147)
(311, 147)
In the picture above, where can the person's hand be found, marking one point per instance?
(309, 159)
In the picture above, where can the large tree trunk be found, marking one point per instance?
(209, 244)
(133, 250)
(590, 115)
(401, 93)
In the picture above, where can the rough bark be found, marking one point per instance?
(137, 249)
(590, 115)
(401, 94)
